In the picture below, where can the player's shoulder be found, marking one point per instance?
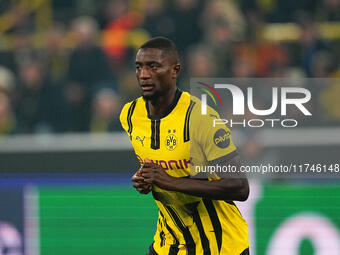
(129, 107)
(198, 109)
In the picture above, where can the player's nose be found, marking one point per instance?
(144, 74)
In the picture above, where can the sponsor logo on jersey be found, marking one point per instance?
(222, 138)
(171, 141)
(171, 164)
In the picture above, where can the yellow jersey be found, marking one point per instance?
(177, 141)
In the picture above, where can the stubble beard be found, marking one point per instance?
(152, 97)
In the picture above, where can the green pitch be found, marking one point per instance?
(95, 220)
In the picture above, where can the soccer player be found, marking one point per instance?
(196, 216)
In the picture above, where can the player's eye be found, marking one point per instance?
(153, 65)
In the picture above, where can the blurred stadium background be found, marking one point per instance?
(66, 69)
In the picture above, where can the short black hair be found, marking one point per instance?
(164, 44)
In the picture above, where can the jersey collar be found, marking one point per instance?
(171, 107)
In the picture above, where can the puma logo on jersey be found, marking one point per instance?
(140, 139)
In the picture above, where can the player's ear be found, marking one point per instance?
(175, 70)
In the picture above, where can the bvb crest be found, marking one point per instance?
(171, 140)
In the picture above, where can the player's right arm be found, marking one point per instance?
(137, 180)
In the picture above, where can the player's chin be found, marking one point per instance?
(148, 95)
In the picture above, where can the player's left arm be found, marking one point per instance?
(214, 143)
(226, 188)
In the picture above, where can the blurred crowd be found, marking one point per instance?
(75, 75)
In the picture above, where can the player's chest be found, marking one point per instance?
(163, 141)
(160, 136)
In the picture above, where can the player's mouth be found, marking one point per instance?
(147, 87)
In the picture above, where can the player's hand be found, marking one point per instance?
(139, 184)
(154, 174)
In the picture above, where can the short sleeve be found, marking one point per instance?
(211, 143)
(124, 116)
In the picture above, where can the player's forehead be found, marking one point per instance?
(150, 55)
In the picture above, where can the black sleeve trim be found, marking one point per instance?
(129, 116)
(187, 120)
(223, 158)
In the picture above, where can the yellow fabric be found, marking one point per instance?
(185, 219)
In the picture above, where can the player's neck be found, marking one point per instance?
(161, 105)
